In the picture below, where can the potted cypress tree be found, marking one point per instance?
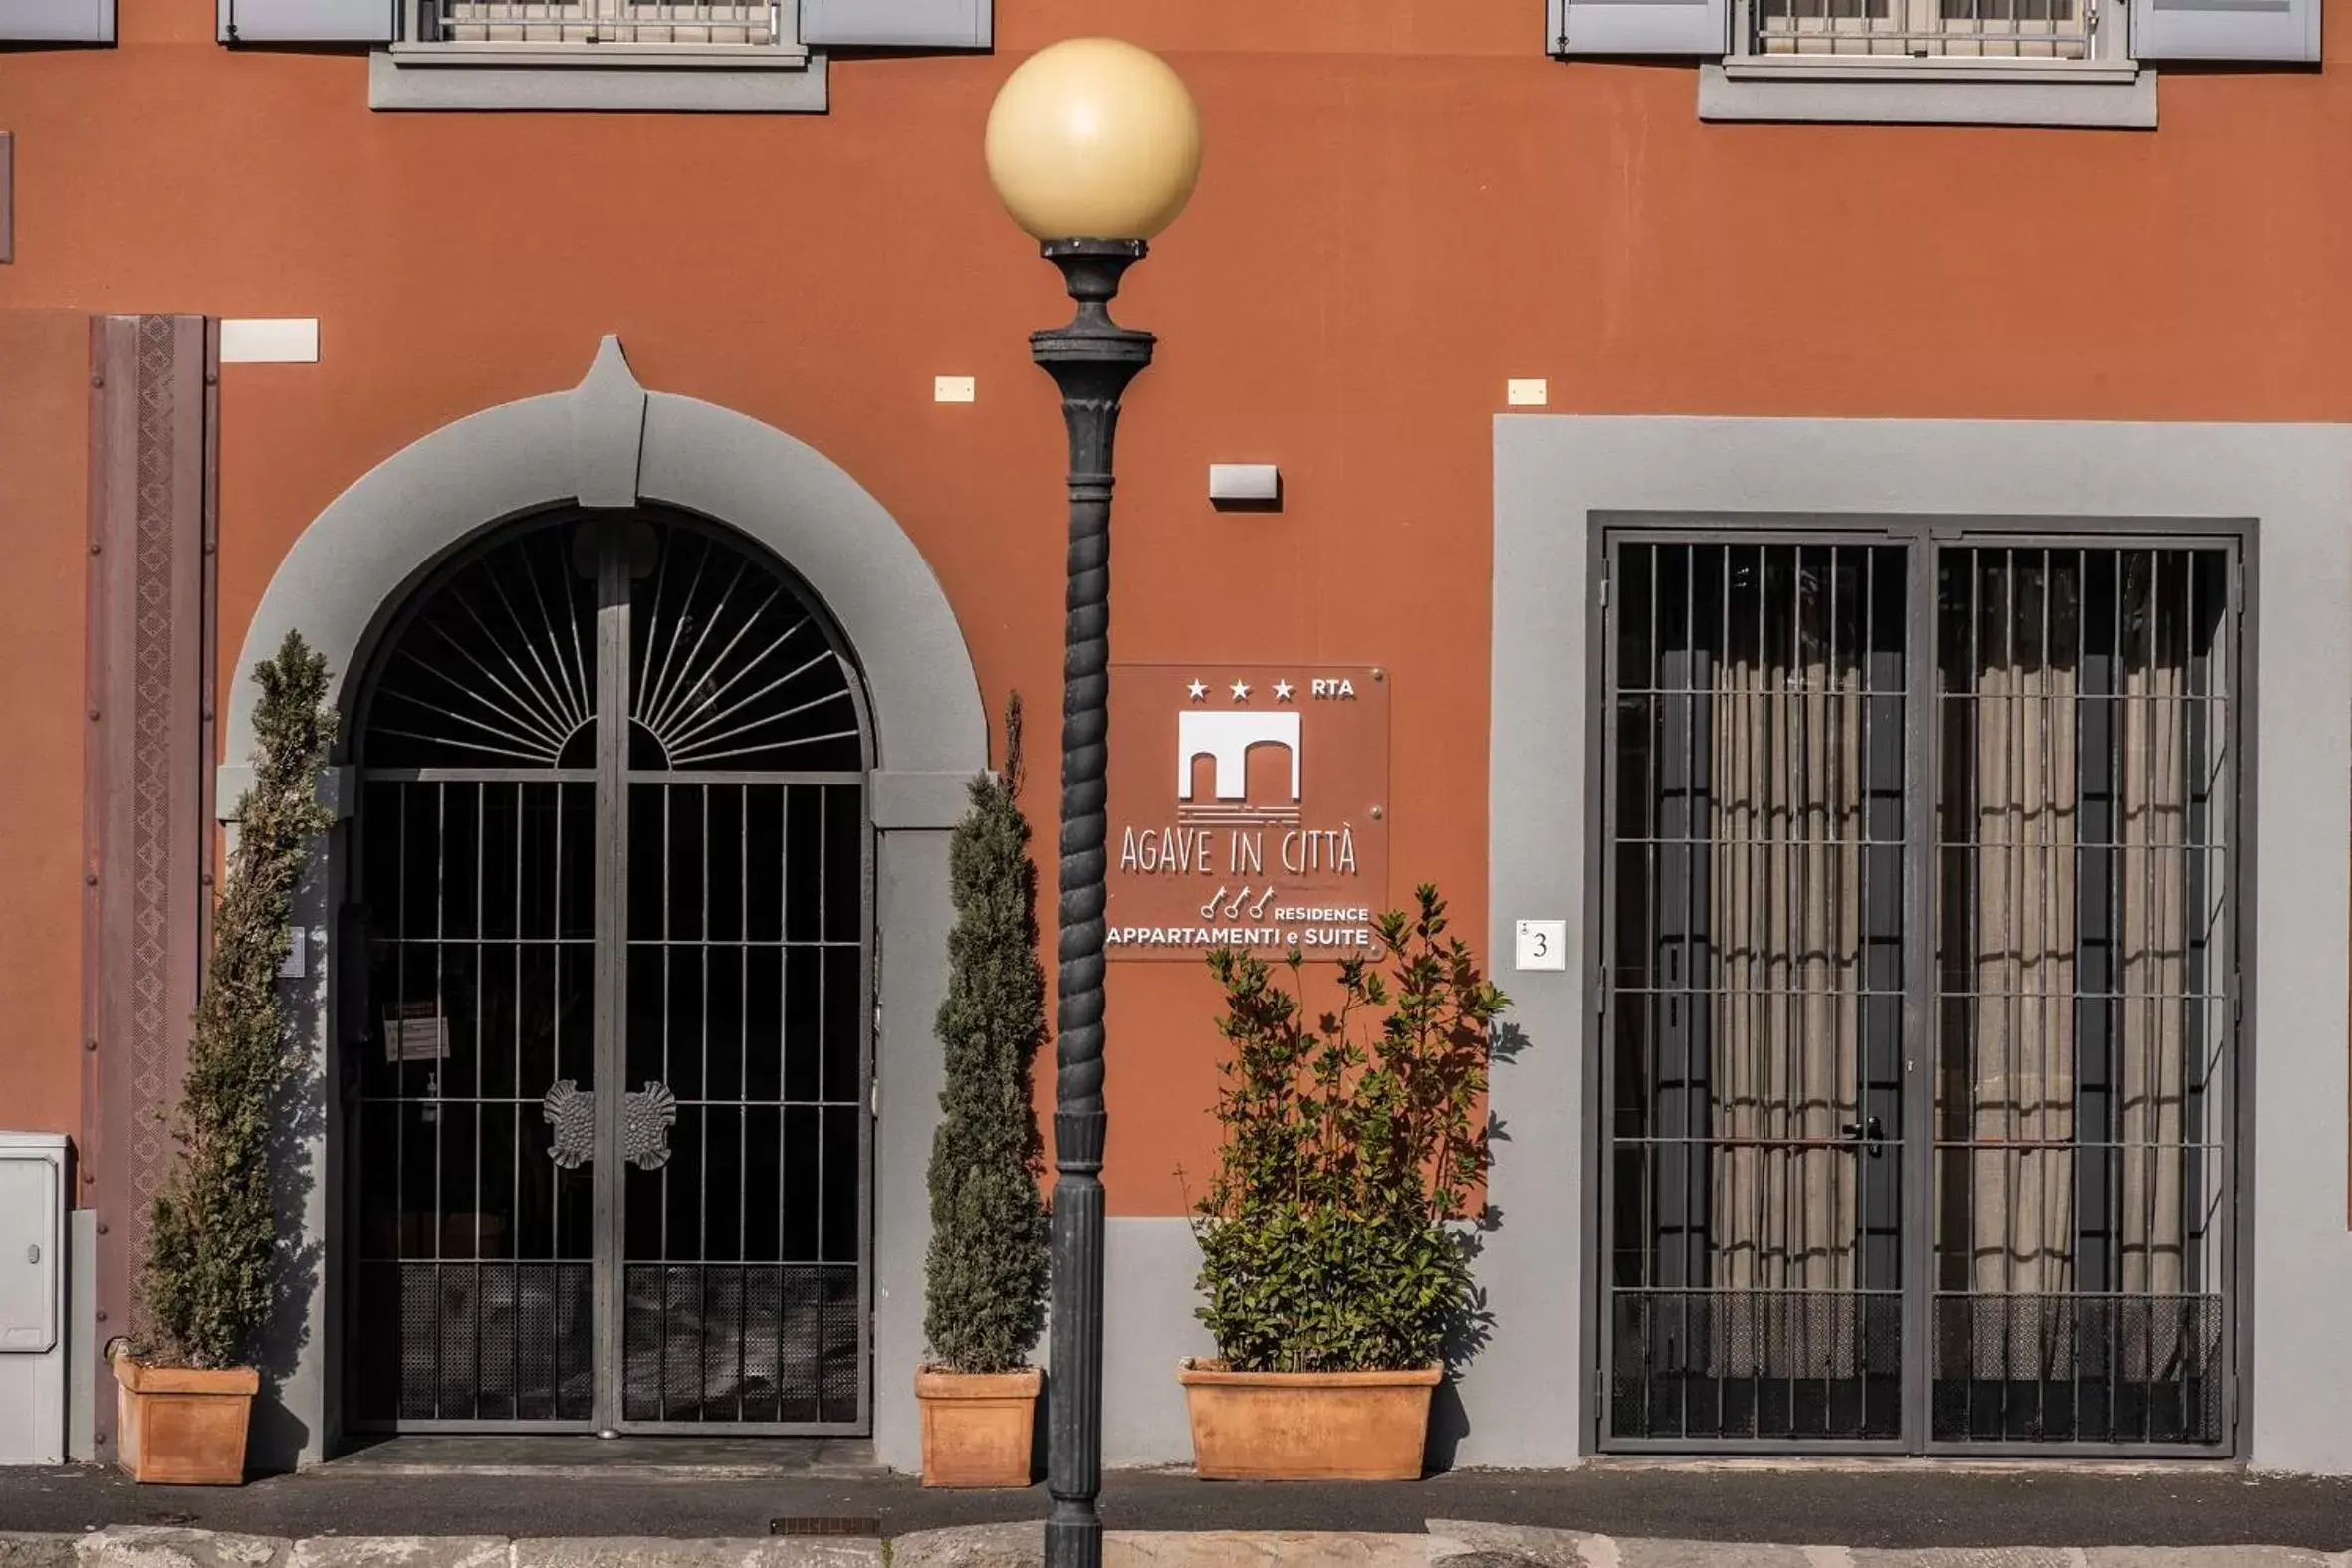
(186, 1383)
(1332, 1275)
(986, 1274)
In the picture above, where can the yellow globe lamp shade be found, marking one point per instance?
(1093, 138)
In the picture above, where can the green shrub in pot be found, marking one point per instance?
(1350, 1139)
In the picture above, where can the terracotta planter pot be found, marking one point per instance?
(978, 1428)
(1306, 1426)
(181, 1427)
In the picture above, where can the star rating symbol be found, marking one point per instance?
(1283, 690)
(1241, 690)
(1197, 692)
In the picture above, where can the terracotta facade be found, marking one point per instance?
(1402, 205)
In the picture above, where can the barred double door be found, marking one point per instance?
(1918, 1005)
(606, 1078)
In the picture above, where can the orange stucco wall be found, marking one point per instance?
(43, 480)
(1405, 202)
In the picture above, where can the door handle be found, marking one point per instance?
(1869, 1132)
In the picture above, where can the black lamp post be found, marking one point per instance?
(1099, 138)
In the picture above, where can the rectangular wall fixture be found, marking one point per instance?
(1245, 484)
(269, 340)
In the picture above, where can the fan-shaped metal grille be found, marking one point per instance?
(498, 666)
(730, 668)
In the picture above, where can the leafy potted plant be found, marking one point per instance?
(185, 1381)
(986, 1274)
(1331, 1274)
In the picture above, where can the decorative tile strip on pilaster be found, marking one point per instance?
(147, 846)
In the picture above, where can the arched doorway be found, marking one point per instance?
(606, 1122)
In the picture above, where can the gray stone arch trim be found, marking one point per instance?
(610, 443)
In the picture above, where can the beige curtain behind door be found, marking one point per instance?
(1784, 1024)
(1784, 1044)
(2158, 925)
(2007, 1084)
(2010, 1041)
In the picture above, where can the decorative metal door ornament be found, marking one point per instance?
(645, 1119)
(571, 1111)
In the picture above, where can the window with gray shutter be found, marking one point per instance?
(904, 24)
(307, 21)
(693, 56)
(1639, 27)
(58, 21)
(2226, 29)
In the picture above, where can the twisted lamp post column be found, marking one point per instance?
(1091, 360)
(1092, 146)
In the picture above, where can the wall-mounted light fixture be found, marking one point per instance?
(1244, 487)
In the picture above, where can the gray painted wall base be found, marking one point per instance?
(1149, 1266)
(1148, 1269)
(1528, 1397)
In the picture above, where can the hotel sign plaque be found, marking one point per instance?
(1249, 808)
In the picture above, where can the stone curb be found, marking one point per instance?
(19, 1549)
(1494, 1546)
(1462, 1543)
(1024, 1546)
(1449, 1543)
(148, 1546)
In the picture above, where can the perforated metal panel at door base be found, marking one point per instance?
(1918, 1032)
(606, 1093)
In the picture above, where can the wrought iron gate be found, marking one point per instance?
(1918, 970)
(606, 1089)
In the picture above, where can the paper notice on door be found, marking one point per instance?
(415, 1032)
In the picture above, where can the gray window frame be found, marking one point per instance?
(412, 74)
(2108, 90)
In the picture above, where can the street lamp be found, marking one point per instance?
(1092, 146)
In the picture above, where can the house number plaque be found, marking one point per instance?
(1248, 809)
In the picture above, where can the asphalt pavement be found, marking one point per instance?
(1864, 1506)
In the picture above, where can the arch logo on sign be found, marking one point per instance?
(1248, 809)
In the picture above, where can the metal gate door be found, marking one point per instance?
(1917, 991)
(607, 1086)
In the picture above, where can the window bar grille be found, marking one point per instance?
(2127, 833)
(2078, 914)
(1953, 29)
(648, 23)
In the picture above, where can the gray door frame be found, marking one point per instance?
(1922, 536)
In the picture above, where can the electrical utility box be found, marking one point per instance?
(31, 1298)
